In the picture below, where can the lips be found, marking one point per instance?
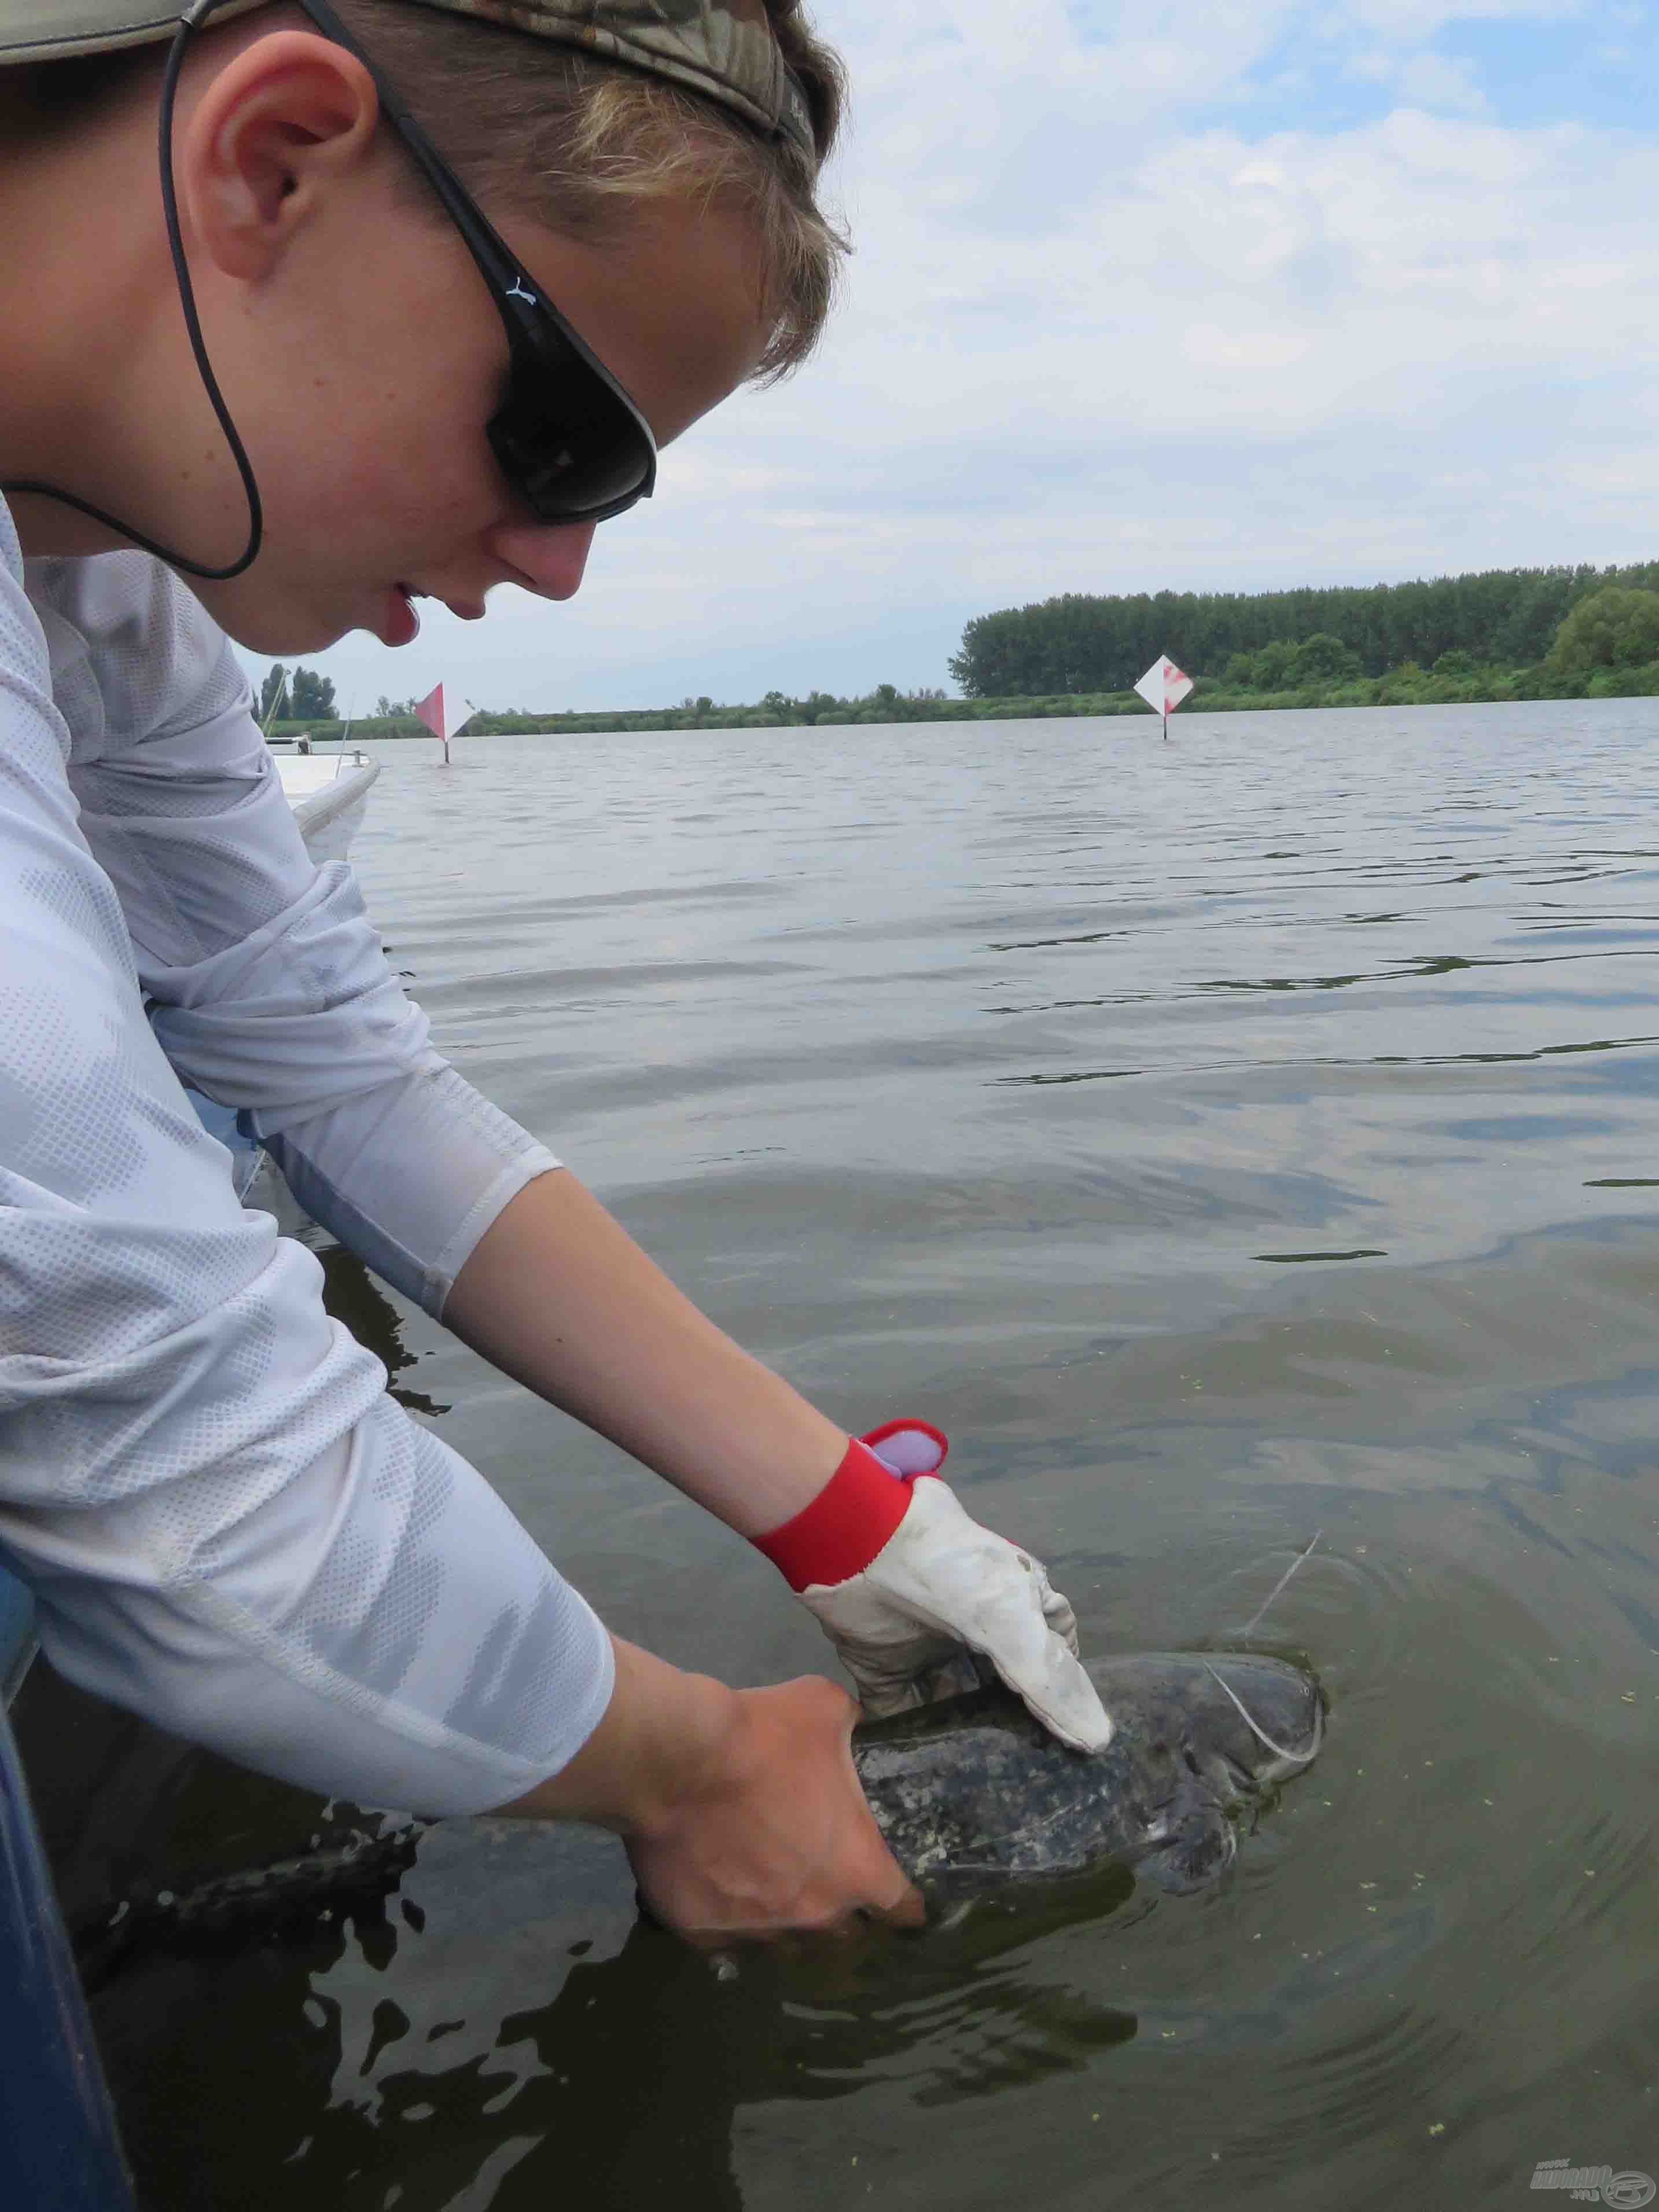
(468, 608)
(399, 624)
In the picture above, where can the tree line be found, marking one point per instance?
(776, 710)
(1080, 642)
(1607, 645)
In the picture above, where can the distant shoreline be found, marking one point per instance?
(1401, 688)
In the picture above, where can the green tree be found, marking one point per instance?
(1271, 668)
(271, 690)
(1323, 658)
(1616, 627)
(310, 696)
(1273, 665)
(1405, 686)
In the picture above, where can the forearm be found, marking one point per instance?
(663, 1733)
(556, 1294)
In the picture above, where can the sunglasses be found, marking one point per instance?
(568, 438)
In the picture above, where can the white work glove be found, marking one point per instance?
(901, 1578)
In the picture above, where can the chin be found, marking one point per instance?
(260, 622)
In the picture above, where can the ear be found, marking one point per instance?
(271, 130)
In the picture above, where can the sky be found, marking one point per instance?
(1203, 296)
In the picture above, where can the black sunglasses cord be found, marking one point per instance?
(191, 19)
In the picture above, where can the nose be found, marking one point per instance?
(548, 557)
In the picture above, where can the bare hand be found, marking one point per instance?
(778, 1835)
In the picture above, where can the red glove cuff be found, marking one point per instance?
(850, 1519)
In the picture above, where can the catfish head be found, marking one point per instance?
(1202, 1735)
(973, 1793)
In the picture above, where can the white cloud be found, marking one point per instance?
(1424, 79)
(1099, 336)
(1404, 22)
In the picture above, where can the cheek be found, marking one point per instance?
(365, 436)
(385, 459)
(371, 375)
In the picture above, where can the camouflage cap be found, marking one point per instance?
(724, 49)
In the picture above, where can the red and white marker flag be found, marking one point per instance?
(445, 713)
(1164, 686)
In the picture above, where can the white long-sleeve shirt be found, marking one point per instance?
(227, 1525)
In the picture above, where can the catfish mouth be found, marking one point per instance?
(1190, 1849)
(1284, 1758)
(1242, 1737)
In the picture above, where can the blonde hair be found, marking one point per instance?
(570, 140)
(576, 142)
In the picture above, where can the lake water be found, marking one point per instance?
(1225, 1141)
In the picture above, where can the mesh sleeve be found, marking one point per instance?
(227, 1525)
(269, 986)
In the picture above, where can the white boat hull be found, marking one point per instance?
(328, 792)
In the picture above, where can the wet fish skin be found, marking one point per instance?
(972, 1794)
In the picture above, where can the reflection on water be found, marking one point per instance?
(1033, 1078)
(353, 1297)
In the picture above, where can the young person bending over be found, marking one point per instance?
(418, 292)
